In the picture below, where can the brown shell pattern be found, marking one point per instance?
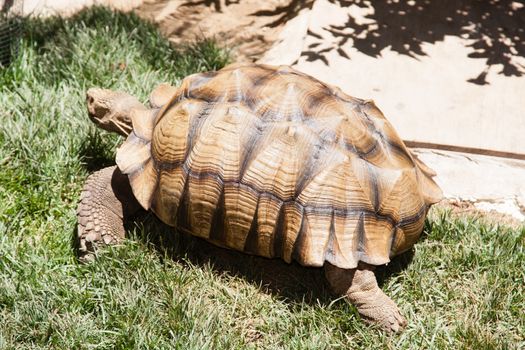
(270, 161)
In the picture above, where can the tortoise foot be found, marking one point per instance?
(360, 287)
(379, 309)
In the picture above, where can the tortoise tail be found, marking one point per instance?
(134, 156)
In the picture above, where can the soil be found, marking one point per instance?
(248, 27)
(463, 208)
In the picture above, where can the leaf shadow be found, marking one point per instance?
(493, 29)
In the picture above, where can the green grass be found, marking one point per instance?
(462, 287)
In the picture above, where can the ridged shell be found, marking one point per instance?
(273, 162)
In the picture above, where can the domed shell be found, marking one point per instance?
(270, 161)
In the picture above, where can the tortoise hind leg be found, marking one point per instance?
(360, 288)
(105, 203)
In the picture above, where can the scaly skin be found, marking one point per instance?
(360, 288)
(111, 110)
(105, 203)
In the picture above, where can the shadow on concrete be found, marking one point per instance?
(495, 30)
(216, 3)
(285, 12)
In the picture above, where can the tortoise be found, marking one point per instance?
(268, 161)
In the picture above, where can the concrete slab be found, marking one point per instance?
(434, 91)
(289, 45)
(490, 183)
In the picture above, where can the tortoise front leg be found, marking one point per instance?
(360, 288)
(105, 204)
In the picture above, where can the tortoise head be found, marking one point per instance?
(111, 110)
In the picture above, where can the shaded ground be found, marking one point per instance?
(247, 27)
(494, 29)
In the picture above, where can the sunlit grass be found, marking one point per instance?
(462, 287)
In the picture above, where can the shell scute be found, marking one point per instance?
(273, 162)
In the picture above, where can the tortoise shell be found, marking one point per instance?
(270, 161)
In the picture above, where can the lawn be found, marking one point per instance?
(461, 287)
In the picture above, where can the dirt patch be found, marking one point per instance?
(247, 27)
(463, 208)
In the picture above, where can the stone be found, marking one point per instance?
(491, 183)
